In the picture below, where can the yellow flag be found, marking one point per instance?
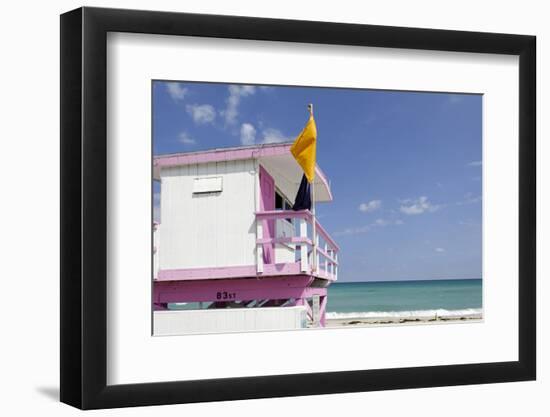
(304, 149)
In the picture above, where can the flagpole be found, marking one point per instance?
(314, 226)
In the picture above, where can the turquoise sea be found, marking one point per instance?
(403, 298)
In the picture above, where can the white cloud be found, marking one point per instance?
(243, 90)
(353, 231)
(370, 206)
(369, 227)
(475, 163)
(248, 134)
(439, 250)
(201, 113)
(184, 138)
(418, 206)
(469, 198)
(176, 91)
(236, 92)
(274, 136)
(385, 222)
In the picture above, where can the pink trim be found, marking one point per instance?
(283, 214)
(236, 289)
(296, 281)
(301, 214)
(217, 155)
(231, 154)
(287, 240)
(235, 272)
(227, 272)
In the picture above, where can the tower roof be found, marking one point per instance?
(275, 158)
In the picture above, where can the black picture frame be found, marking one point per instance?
(84, 207)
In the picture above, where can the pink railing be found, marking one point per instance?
(324, 264)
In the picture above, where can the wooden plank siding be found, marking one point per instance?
(212, 229)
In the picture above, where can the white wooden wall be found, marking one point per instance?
(208, 230)
(172, 322)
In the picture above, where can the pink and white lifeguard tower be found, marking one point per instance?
(229, 241)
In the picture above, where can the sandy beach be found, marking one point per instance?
(384, 321)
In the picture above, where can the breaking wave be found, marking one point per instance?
(406, 314)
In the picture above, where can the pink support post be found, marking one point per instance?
(267, 203)
(323, 311)
(309, 311)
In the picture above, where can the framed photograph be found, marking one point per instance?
(259, 208)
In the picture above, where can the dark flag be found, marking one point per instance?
(303, 196)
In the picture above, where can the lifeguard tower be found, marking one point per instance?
(230, 245)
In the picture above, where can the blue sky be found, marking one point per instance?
(405, 167)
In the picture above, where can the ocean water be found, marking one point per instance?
(454, 297)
